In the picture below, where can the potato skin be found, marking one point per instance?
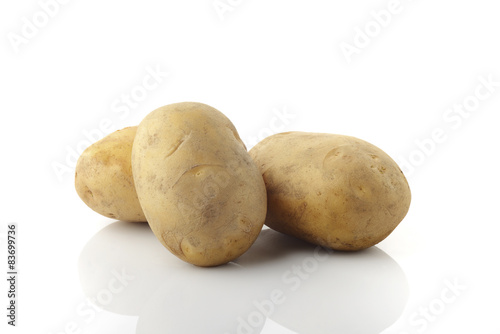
(103, 177)
(331, 190)
(202, 195)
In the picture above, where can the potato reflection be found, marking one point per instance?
(304, 288)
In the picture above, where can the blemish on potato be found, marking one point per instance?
(175, 147)
(169, 240)
(89, 192)
(209, 211)
(244, 224)
(153, 140)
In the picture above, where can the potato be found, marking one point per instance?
(103, 177)
(331, 190)
(202, 195)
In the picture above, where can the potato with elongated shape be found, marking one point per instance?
(202, 194)
(331, 190)
(103, 177)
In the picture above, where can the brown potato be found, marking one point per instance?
(103, 177)
(202, 195)
(331, 190)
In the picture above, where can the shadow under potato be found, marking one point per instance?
(305, 288)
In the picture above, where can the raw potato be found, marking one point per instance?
(331, 190)
(203, 196)
(103, 177)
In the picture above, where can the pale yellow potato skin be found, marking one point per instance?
(331, 190)
(103, 177)
(202, 195)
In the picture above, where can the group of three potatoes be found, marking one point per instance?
(186, 172)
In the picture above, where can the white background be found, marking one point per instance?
(62, 84)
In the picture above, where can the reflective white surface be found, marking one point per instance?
(304, 288)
